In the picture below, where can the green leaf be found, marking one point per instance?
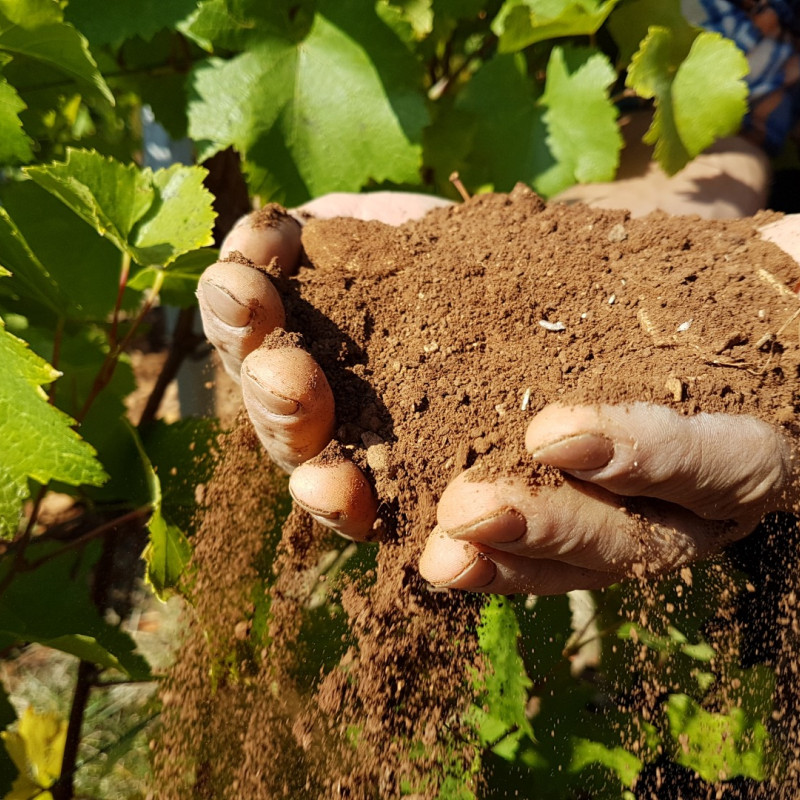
(631, 20)
(700, 96)
(238, 24)
(38, 440)
(83, 273)
(15, 146)
(180, 278)
(168, 550)
(508, 140)
(182, 455)
(716, 746)
(52, 605)
(583, 134)
(521, 23)
(143, 18)
(21, 262)
(623, 764)
(35, 29)
(287, 107)
(154, 217)
(506, 683)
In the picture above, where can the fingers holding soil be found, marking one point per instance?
(240, 306)
(267, 235)
(337, 494)
(506, 537)
(449, 564)
(289, 401)
(719, 466)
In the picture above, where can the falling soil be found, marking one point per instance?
(441, 339)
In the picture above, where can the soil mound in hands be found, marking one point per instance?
(441, 339)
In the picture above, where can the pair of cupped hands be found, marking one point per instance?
(700, 481)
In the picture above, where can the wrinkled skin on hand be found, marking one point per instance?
(699, 482)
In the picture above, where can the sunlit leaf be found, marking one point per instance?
(153, 216)
(349, 80)
(38, 440)
(15, 146)
(700, 95)
(36, 748)
(521, 23)
(582, 130)
(35, 29)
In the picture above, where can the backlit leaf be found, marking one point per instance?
(576, 94)
(15, 146)
(700, 95)
(38, 440)
(349, 80)
(153, 216)
(35, 29)
(521, 23)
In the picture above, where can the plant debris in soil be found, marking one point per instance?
(441, 338)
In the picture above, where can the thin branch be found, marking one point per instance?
(63, 789)
(124, 273)
(184, 342)
(137, 514)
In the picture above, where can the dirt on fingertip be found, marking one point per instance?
(441, 339)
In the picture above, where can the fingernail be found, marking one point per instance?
(442, 557)
(480, 573)
(226, 306)
(586, 451)
(331, 516)
(272, 401)
(503, 526)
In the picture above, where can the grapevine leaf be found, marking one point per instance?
(180, 218)
(154, 217)
(168, 551)
(142, 18)
(237, 24)
(37, 748)
(716, 745)
(506, 683)
(38, 441)
(64, 616)
(15, 146)
(180, 277)
(508, 131)
(581, 121)
(166, 555)
(27, 270)
(630, 22)
(80, 273)
(707, 109)
(623, 764)
(35, 29)
(415, 16)
(298, 137)
(181, 455)
(521, 23)
(700, 96)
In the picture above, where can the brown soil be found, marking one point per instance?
(441, 339)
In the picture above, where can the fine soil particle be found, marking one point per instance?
(441, 339)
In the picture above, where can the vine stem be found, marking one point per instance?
(124, 273)
(106, 371)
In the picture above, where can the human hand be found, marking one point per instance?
(700, 483)
(285, 392)
(694, 483)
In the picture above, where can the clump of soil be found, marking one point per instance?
(441, 338)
